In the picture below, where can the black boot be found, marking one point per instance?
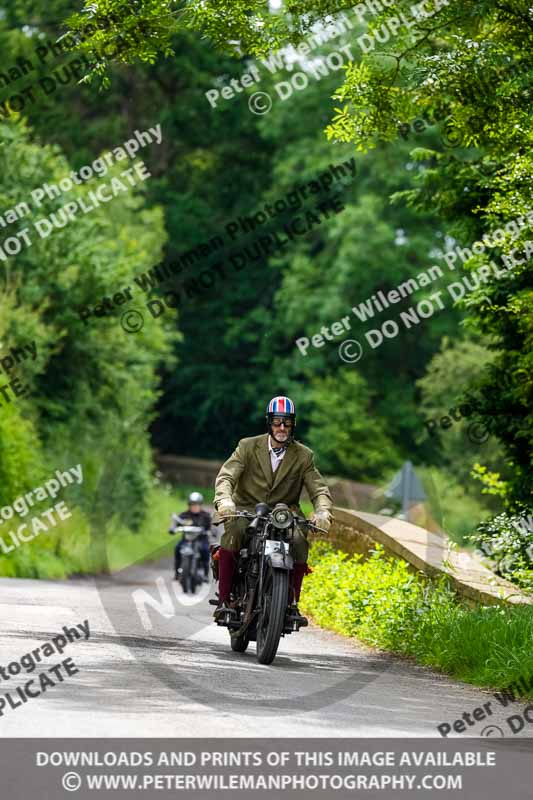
(220, 610)
(294, 615)
(223, 610)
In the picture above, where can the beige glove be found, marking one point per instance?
(226, 507)
(322, 519)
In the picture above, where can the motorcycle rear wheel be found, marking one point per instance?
(271, 619)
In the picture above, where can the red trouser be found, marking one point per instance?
(226, 566)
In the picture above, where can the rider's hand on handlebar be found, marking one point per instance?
(226, 507)
(322, 519)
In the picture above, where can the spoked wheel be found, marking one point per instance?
(187, 578)
(271, 619)
(239, 643)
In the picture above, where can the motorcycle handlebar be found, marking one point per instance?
(247, 514)
(308, 524)
(190, 529)
(300, 520)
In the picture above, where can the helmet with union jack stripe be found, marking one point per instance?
(281, 406)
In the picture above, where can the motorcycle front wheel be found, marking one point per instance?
(272, 616)
(187, 577)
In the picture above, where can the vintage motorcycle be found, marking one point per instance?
(191, 571)
(260, 594)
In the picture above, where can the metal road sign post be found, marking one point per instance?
(406, 486)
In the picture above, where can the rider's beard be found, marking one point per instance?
(274, 437)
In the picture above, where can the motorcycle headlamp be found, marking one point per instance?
(282, 517)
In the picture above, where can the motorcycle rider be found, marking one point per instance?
(271, 468)
(195, 515)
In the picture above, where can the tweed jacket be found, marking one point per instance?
(247, 477)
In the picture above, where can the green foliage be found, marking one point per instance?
(454, 505)
(457, 364)
(387, 605)
(378, 599)
(468, 67)
(229, 25)
(371, 245)
(508, 541)
(69, 548)
(21, 457)
(490, 481)
(92, 387)
(122, 548)
(347, 438)
(471, 67)
(115, 30)
(234, 336)
(449, 374)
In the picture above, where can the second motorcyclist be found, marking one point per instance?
(194, 515)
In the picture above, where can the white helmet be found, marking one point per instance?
(196, 497)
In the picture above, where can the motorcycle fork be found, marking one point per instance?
(261, 575)
(253, 580)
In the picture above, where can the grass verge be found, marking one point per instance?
(384, 604)
(69, 549)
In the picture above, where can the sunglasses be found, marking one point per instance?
(277, 421)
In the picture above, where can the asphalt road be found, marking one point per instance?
(168, 671)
